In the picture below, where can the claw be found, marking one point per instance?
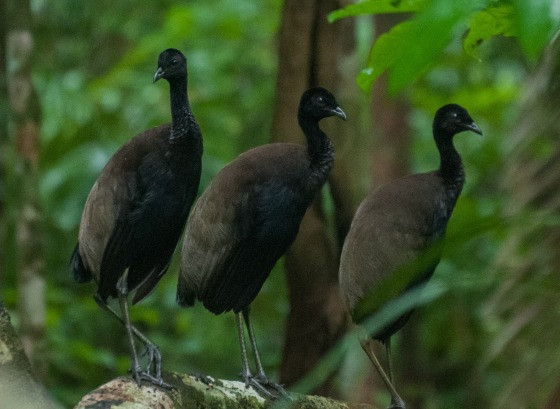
(263, 380)
(260, 388)
(158, 381)
(207, 380)
(136, 374)
(154, 361)
(396, 405)
(261, 383)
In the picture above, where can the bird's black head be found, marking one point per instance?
(171, 64)
(318, 103)
(451, 119)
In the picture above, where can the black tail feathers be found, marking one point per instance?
(81, 273)
(185, 296)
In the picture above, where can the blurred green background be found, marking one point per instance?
(93, 66)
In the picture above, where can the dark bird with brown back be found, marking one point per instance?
(246, 219)
(135, 212)
(394, 242)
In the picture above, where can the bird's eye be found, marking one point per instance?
(174, 61)
(320, 100)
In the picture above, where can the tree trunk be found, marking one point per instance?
(526, 302)
(18, 386)
(24, 126)
(310, 54)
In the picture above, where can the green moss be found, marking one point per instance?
(197, 395)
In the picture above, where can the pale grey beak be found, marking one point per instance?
(159, 74)
(473, 127)
(339, 113)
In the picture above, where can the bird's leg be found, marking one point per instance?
(246, 373)
(151, 349)
(250, 330)
(122, 290)
(261, 377)
(389, 360)
(396, 401)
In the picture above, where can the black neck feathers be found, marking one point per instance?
(451, 165)
(319, 147)
(183, 123)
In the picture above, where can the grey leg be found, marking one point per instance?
(389, 359)
(261, 374)
(246, 373)
(396, 401)
(123, 303)
(151, 349)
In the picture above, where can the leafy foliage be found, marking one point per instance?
(411, 48)
(486, 24)
(377, 7)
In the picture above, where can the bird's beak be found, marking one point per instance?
(339, 113)
(159, 74)
(473, 127)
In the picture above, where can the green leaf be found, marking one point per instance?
(430, 33)
(486, 24)
(535, 21)
(383, 54)
(377, 7)
(409, 48)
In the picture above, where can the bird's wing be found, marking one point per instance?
(208, 238)
(108, 198)
(231, 245)
(394, 235)
(125, 202)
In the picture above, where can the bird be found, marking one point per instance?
(136, 210)
(247, 218)
(394, 241)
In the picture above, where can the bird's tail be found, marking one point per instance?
(186, 296)
(81, 273)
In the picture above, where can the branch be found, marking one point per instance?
(191, 392)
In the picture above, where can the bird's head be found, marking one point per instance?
(318, 103)
(451, 119)
(171, 64)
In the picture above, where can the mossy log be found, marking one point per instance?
(192, 392)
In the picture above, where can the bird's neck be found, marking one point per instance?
(319, 148)
(182, 119)
(451, 165)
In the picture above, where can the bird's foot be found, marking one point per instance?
(262, 385)
(263, 380)
(158, 381)
(138, 375)
(251, 380)
(205, 379)
(396, 404)
(153, 367)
